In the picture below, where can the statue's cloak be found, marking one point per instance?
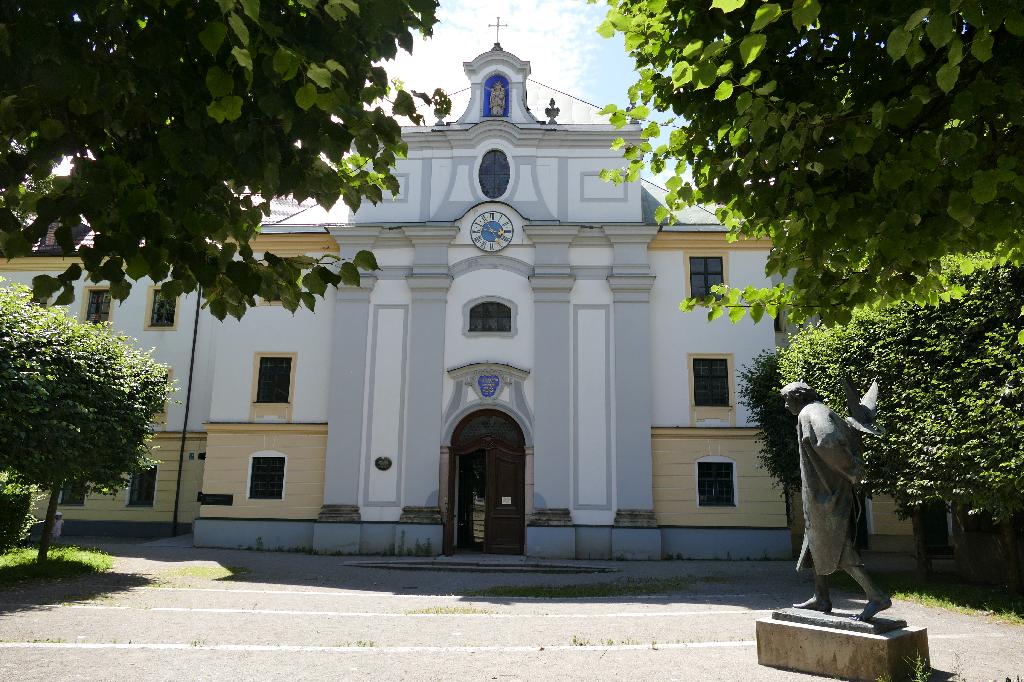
(830, 466)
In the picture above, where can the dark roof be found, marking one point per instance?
(81, 235)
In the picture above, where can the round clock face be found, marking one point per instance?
(491, 231)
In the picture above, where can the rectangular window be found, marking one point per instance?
(142, 488)
(162, 314)
(714, 484)
(266, 482)
(72, 494)
(711, 382)
(705, 272)
(274, 382)
(98, 308)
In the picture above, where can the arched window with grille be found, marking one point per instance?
(490, 316)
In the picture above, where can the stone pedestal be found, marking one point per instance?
(835, 645)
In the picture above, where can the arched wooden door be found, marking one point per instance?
(487, 471)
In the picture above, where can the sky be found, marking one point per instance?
(558, 37)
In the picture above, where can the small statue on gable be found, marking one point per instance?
(497, 100)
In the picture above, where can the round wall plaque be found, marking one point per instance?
(382, 463)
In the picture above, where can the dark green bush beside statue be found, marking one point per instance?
(15, 516)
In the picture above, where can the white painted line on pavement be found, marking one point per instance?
(367, 614)
(380, 595)
(284, 648)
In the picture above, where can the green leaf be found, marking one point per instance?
(752, 46)
(219, 82)
(319, 75)
(51, 128)
(1014, 22)
(336, 67)
(897, 43)
(727, 5)
(606, 29)
(242, 56)
(946, 76)
(365, 260)
(939, 30)
(213, 35)
(238, 26)
(349, 274)
(285, 63)
(715, 311)
(984, 186)
(805, 13)
(305, 96)
(767, 89)
(916, 18)
(1020, 337)
(765, 15)
(981, 46)
(736, 313)
(724, 91)
(251, 8)
(232, 107)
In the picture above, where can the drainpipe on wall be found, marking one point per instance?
(188, 404)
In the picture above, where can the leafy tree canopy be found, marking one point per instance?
(178, 116)
(76, 402)
(866, 139)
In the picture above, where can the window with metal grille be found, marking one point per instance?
(494, 174)
(72, 494)
(142, 488)
(274, 382)
(705, 272)
(266, 482)
(162, 314)
(98, 309)
(715, 484)
(711, 382)
(490, 316)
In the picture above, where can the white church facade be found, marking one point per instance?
(515, 378)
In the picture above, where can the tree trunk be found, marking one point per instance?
(51, 513)
(1011, 546)
(923, 563)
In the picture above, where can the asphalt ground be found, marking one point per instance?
(175, 613)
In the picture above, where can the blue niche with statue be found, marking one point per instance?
(496, 96)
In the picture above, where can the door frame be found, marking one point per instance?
(489, 444)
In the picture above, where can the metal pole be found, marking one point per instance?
(188, 404)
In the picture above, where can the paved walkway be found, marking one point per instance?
(178, 613)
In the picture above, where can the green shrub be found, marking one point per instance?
(15, 519)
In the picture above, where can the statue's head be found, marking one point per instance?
(798, 394)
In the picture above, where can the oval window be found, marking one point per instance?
(494, 174)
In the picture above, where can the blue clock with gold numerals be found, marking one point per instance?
(491, 231)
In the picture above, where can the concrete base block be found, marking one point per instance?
(593, 542)
(417, 539)
(336, 538)
(253, 534)
(636, 544)
(842, 654)
(377, 538)
(551, 542)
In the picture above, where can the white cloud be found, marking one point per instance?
(557, 37)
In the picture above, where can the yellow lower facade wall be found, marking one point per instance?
(230, 447)
(165, 448)
(675, 453)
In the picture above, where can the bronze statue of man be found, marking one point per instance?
(830, 467)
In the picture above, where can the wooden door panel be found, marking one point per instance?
(506, 509)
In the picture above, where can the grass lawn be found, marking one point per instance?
(618, 588)
(946, 591)
(19, 565)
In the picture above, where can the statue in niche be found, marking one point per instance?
(497, 100)
(830, 467)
